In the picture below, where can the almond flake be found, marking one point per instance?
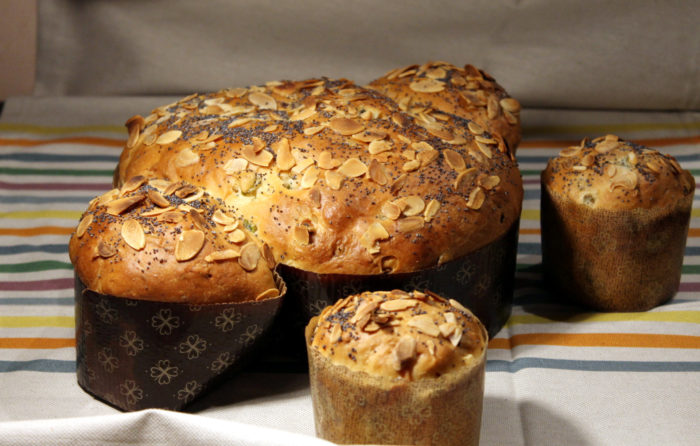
(285, 160)
(105, 251)
(476, 198)
(268, 294)
(226, 254)
(157, 198)
(369, 135)
(391, 210)
(353, 168)
(116, 207)
(263, 101)
(132, 184)
(309, 131)
(188, 245)
(510, 105)
(490, 182)
(83, 225)
(425, 324)
(511, 118)
(334, 179)
(410, 224)
(168, 137)
(134, 126)
(304, 113)
(346, 126)
(456, 337)
(250, 254)
(398, 304)
(235, 165)
(133, 234)
(431, 210)
(413, 205)
(377, 173)
(326, 161)
(262, 158)
(410, 166)
(405, 350)
(236, 236)
(374, 233)
(222, 218)
(454, 160)
(485, 149)
(610, 170)
(186, 158)
(475, 128)
(427, 85)
(379, 146)
(492, 107)
(309, 178)
(458, 306)
(606, 146)
(655, 166)
(398, 183)
(155, 212)
(447, 329)
(570, 151)
(426, 157)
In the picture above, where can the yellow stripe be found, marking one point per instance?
(591, 129)
(56, 130)
(37, 321)
(692, 317)
(68, 215)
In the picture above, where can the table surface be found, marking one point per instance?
(556, 373)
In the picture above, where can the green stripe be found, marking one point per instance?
(60, 130)
(58, 172)
(31, 267)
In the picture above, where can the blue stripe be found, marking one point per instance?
(36, 301)
(38, 365)
(28, 199)
(23, 249)
(58, 158)
(591, 366)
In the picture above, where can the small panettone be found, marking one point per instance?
(397, 368)
(615, 219)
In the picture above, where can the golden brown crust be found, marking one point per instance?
(609, 173)
(335, 178)
(615, 219)
(399, 335)
(169, 242)
(468, 93)
(394, 368)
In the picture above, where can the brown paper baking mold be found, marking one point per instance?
(482, 281)
(613, 260)
(137, 354)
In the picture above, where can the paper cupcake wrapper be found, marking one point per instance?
(137, 354)
(482, 281)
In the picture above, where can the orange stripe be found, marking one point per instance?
(694, 232)
(40, 230)
(74, 140)
(39, 343)
(530, 231)
(598, 340)
(651, 142)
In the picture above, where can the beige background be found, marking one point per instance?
(642, 54)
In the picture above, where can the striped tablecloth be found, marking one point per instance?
(556, 374)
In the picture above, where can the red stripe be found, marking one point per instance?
(37, 285)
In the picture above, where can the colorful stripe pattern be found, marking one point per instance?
(48, 175)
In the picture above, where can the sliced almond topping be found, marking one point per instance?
(133, 234)
(476, 198)
(247, 181)
(353, 167)
(371, 327)
(632, 158)
(235, 165)
(263, 101)
(238, 122)
(511, 117)
(655, 166)
(447, 329)
(285, 160)
(250, 254)
(369, 135)
(606, 146)
(410, 224)
(410, 166)
(304, 113)
(426, 157)
(579, 168)
(336, 333)
(155, 212)
(454, 160)
(105, 251)
(458, 306)
(414, 205)
(301, 235)
(168, 137)
(610, 170)
(450, 317)
(116, 207)
(374, 233)
(258, 144)
(398, 183)
(268, 294)
(326, 161)
(485, 149)
(134, 126)
(588, 160)
(83, 225)
(427, 85)
(425, 324)
(346, 126)
(186, 157)
(570, 151)
(364, 309)
(377, 173)
(510, 105)
(302, 162)
(391, 210)
(404, 351)
(490, 182)
(188, 245)
(157, 198)
(409, 154)
(492, 107)
(262, 158)
(398, 304)
(237, 236)
(334, 179)
(231, 227)
(132, 184)
(379, 146)
(309, 131)
(222, 218)
(309, 178)
(431, 210)
(456, 337)
(226, 254)
(475, 128)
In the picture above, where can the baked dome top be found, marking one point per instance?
(334, 177)
(171, 242)
(613, 174)
(396, 334)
